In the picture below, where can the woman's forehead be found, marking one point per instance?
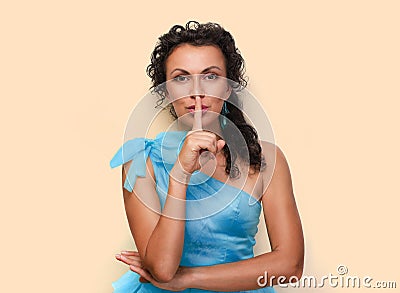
(195, 59)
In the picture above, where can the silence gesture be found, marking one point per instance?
(198, 141)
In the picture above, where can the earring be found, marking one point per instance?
(224, 109)
(222, 117)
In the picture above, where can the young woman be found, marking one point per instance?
(184, 243)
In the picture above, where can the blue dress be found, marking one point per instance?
(221, 219)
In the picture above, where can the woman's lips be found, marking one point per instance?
(202, 110)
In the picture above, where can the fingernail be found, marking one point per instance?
(117, 255)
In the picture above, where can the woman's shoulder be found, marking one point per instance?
(273, 153)
(162, 150)
(274, 158)
(268, 150)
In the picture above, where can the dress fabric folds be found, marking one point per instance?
(221, 219)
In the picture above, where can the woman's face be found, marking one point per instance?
(197, 71)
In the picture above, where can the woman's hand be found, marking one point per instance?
(197, 141)
(132, 259)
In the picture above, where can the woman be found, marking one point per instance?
(184, 244)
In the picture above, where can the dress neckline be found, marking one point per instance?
(251, 197)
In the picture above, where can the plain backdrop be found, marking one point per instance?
(326, 72)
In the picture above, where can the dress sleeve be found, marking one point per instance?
(137, 150)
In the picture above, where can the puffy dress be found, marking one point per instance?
(221, 219)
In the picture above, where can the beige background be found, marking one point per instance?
(326, 72)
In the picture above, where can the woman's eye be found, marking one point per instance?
(181, 78)
(211, 76)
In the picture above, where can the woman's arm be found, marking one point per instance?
(159, 239)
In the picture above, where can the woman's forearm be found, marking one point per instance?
(164, 249)
(247, 274)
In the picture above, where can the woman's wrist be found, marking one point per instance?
(179, 175)
(191, 277)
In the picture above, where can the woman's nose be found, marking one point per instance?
(193, 96)
(197, 88)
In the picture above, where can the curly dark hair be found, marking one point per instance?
(197, 34)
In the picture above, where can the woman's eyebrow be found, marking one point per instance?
(204, 70)
(179, 69)
(211, 67)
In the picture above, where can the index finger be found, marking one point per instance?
(197, 123)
